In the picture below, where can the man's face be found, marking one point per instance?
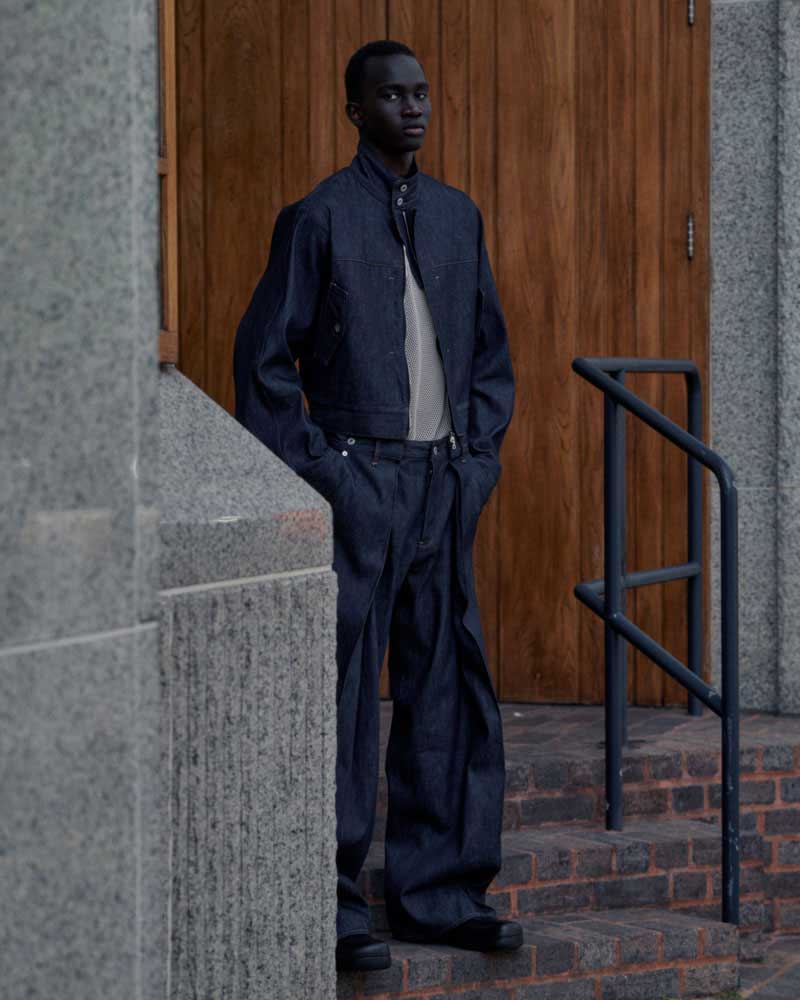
(394, 99)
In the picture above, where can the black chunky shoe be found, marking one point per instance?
(484, 934)
(362, 951)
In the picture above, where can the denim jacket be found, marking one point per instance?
(332, 296)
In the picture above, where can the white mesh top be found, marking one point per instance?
(429, 412)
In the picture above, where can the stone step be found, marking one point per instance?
(676, 865)
(624, 954)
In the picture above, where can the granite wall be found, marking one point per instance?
(788, 357)
(755, 331)
(82, 910)
(248, 677)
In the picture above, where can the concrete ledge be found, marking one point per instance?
(230, 508)
(248, 710)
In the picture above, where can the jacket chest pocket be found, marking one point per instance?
(332, 324)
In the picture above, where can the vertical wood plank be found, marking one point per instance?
(168, 182)
(325, 114)
(619, 248)
(459, 98)
(647, 497)
(249, 135)
(677, 318)
(536, 199)
(471, 125)
(191, 146)
(300, 84)
(593, 337)
(700, 268)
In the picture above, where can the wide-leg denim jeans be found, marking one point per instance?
(405, 515)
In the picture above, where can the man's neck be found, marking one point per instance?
(401, 164)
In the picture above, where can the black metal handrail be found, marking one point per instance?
(611, 605)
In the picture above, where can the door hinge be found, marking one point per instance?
(691, 12)
(690, 235)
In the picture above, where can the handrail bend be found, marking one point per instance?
(606, 596)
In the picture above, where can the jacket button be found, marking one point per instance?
(403, 187)
(344, 452)
(337, 326)
(351, 440)
(399, 201)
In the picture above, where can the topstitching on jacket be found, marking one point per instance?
(327, 322)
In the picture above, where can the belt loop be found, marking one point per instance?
(375, 451)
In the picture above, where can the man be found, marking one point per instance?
(379, 281)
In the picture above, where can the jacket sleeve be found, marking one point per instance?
(276, 327)
(492, 389)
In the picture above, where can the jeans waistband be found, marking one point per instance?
(399, 449)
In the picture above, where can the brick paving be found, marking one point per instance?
(576, 732)
(640, 954)
(778, 976)
(572, 883)
(671, 771)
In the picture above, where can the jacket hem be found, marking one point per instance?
(367, 423)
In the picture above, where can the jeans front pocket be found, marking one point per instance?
(488, 472)
(327, 476)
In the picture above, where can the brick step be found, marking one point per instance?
(676, 865)
(547, 789)
(625, 954)
(671, 771)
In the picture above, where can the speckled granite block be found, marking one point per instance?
(230, 508)
(754, 376)
(788, 245)
(788, 699)
(788, 271)
(249, 679)
(743, 238)
(79, 317)
(82, 844)
(758, 645)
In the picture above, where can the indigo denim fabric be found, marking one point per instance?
(331, 296)
(401, 520)
(405, 514)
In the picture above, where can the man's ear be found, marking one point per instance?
(354, 114)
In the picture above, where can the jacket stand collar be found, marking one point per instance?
(386, 185)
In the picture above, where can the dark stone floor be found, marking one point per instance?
(578, 730)
(778, 976)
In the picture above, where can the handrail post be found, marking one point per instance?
(729, 505)
(694, 592)
(613, 486)
(623, 529)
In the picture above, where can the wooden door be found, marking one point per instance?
(601, 151)
(580, 127)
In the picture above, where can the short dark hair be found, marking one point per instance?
(354, 73)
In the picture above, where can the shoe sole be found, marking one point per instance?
(507, 942)
(366, 964)
(369, 958)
